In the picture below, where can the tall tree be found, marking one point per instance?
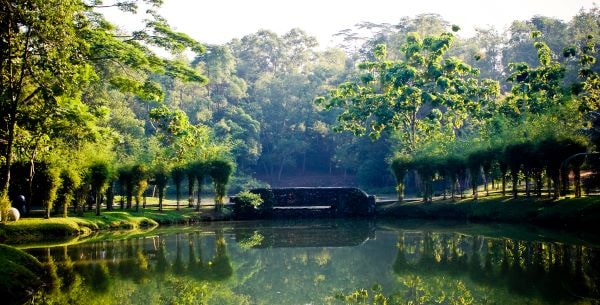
(423, 95)
(41, 57)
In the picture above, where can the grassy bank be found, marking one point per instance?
(581, 213)
(20, 275)
(31, 230)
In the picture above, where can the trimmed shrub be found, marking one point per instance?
(48, 181)
(247, 205)
(70, 182)
(99, 173)
(220, 171)
(139, 174)
(178, 174)
(400, 166)
(161, 179)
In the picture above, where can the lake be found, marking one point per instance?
(327, 262)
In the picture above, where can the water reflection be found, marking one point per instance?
(323, 262)
(551, 271)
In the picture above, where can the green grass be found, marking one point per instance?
(124, 222)
(19, 273)
(566, 212)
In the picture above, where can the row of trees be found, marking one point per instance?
(81, 91)
(97, 184)
(263, 85)
(449, 121)
(79, 95)
(548, 160)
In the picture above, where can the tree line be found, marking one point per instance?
(83, 92)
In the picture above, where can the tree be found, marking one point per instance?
(40, 58)
(48, 178)
(400, 166)
(512, 155)
(99, 175)
(200, 170)
(161, 179)
(70, 182)
(178, 174)
(139, 175)
(126, 185)
(191, 179)
(392, 95)
(220, 171)
(58, 60)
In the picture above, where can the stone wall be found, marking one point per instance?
(315, 201)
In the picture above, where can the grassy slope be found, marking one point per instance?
(19, 275)
(31, 230)
(569, 212)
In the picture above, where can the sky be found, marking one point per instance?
(219, 21)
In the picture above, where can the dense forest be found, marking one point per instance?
(84, 101)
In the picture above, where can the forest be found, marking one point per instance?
(89, 107)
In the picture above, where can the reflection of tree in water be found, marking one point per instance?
(75, 272)
(553, 271)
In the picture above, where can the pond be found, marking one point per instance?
(327, 262)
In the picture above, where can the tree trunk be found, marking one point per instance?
(564, 183)
(178, 193)
(453, 182)
(8, 156)
(190, 191)
(110, 197)
(577, 173)
(515, 183)
(485, 185)
(556, 184)
(199, 193)
(527, 187)
(98, 200)
(161, 190)
(400, 189)
(503, 184)
(539, 182)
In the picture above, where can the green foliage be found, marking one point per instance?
(100, 174)
(20, 273)
(220, 171)
(247, 205)
(71, 181)
(160, 173)
(393, 93)
(139, 178)
(4, 206)
(400, 166)
(178, 174)
(48, 179)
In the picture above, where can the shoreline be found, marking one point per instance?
(570, 214)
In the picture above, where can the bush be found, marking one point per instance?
(247, 205)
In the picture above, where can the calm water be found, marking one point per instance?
(327, 262)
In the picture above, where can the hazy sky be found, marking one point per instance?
(219, 21)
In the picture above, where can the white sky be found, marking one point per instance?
(219, 21)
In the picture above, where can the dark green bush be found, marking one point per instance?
(247, 205)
